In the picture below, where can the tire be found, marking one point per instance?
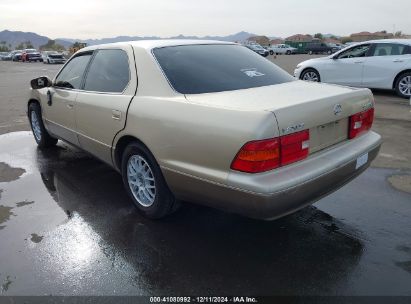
(403, 85)
(329, 52)
(155, 201)
(310, 52)
(288, 52)
(42, 137)
(48, 61)
(310, 75)
(271, 53)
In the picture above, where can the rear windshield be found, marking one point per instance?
(196, 69)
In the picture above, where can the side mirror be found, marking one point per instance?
(41, 82)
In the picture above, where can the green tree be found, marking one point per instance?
(79, 45)
(346, 39)
(29, 45)
(319, 36)
(25, 45)
(20, 46)
(4, 47)
(398, 34)
(51, 45)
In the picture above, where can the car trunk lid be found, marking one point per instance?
(298, 105)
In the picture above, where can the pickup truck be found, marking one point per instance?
(282, 49)
(320, 48)
(31, 55)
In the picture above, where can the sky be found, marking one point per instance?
(84, 19)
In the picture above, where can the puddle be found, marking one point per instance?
(5, 213)
(35, 238)
(24, 203)
(401, 182)
(8, 174)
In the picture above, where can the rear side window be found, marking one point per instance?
(389, 49)
(109, 72)
(196, 69)
(72, 74)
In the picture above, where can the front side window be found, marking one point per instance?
(109, 72)
(72, 74)
(389, 49)
(196, 69)
(357, 51)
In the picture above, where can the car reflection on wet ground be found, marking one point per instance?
(68, 228)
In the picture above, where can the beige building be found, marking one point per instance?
(300, 38)
(364, 36)
(276, 41)
(261, 40)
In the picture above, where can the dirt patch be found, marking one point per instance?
(24, 203)
(35, 238)
(8, 174)
(401, 182)
(5, 213)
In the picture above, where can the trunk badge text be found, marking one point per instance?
(294, 128)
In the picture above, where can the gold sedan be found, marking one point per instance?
(206, 122)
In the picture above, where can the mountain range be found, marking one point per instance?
(14, 38)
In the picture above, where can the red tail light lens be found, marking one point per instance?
(294, 147)
(361, 122)
(264, 155)
(258, 156)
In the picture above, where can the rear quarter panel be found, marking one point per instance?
(193, 139)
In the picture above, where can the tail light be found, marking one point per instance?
(361, 122)
(294, 147)
(264, 155)
(258, 156)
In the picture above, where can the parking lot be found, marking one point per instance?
(67, 226)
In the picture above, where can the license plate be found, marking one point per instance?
(361, 161)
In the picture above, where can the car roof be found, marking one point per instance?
(151, 44)
(402, 41)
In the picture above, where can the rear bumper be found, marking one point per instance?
(280, 192)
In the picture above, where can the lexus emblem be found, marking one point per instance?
(337, 109)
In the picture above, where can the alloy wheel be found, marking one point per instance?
(141, 180)
(35, 125)
(310, 76)
(405, 85)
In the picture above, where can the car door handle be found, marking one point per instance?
(70, 106)
(398, 60)
(115, 114)
(358, 61)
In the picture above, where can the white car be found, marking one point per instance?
(379, 64)
(281, 49)
(52, 57)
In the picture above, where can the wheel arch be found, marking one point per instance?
(398, 76)
(31, 101)
(121, 145)
(309, 68)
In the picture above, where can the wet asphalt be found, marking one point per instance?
(68, 228)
